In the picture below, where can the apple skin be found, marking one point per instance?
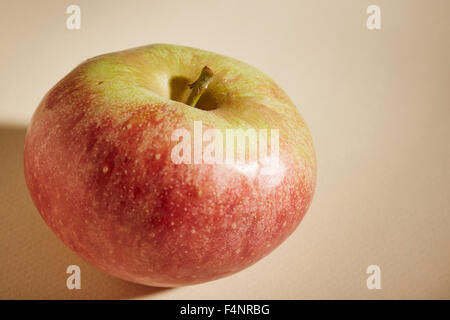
(98, 167)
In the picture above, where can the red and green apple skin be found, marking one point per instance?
(98, 166)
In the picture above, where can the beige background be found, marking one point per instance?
(377, 103)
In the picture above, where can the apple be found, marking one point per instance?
(99, 165)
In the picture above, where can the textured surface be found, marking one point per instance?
(377, 104)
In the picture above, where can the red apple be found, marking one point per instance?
(99, 166)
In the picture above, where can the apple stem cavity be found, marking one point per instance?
(200, 85)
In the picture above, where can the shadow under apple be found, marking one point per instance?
(33, 260)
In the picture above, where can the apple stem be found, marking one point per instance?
(200, 85)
